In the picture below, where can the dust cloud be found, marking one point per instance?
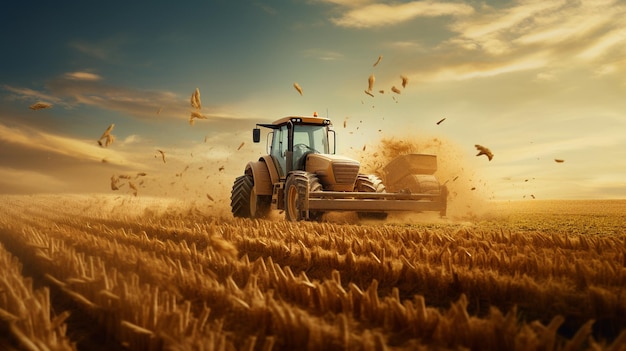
(202, 180)
(468, 193)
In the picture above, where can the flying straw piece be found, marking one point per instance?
(298, 88)
(132, 186)
(195, 99)
(209, 197)
(39, 106)
(162, 155)
(395, 90)
(370, 82)
(114, 181)
(380, 58)
(109, 138)
(441, 120)
(558, 160)
(405, 81)
(484, 151)
(369, 93)
(196, 114)
(240, 146)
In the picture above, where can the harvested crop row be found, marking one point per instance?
(25, 313)
(309, 279)
(439, 265)
(148, 318)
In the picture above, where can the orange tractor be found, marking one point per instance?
(303, 176)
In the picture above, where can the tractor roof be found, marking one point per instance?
(297, 120)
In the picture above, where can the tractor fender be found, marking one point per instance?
(262, 175)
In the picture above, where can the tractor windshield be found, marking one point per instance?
(308, 139)
(313, 137)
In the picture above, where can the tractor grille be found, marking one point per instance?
(345, 172)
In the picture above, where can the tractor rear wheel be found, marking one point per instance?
(373, 184)
(245, 203)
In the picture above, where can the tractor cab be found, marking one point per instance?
(293, 138)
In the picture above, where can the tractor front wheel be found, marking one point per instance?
(297, 196)
(245, 203)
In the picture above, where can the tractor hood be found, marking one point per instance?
(336, 173)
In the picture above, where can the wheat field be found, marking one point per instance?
(93, 272)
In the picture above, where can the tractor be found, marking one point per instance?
(303, 176)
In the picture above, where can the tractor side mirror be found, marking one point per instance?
(256, 135)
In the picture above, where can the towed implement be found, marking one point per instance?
(304, 177)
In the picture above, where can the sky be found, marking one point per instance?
(532, 80)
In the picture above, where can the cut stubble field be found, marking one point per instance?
(96, 272)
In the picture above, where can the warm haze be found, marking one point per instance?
(534, 81)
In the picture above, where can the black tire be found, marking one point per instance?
(314, 186)
(297, 187)
(245, 203)
(296, 196)
(373, 184)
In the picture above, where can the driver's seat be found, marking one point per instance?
(301, 162)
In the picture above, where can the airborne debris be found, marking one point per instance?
(558, 160)
(395, 90)
(405, 81)
(39, 106)
(441, 120)
(369, 93)
(196, 114)
(162, 154)
(298, 88)
(380, 58)
(370, 83)
(241, 145)
(221, 168)
(132, 186)
(114, 182)
(195, 99)
(484, 151)
(209, 197)
(109, 138)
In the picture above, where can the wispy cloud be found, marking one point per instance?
(378, 15)
(108, 49)
(561, 29)
(79, 149)
(487, 41)
(320, 54)
(82, 76)
(27, 94)
(23, 181)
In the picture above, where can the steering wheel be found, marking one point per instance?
(299, 151)
(303, 146)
